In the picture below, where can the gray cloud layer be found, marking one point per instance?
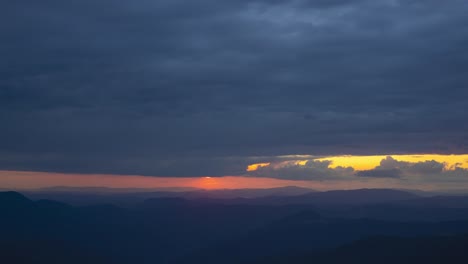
(181, 88)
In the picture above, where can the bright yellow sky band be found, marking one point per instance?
(370, 162)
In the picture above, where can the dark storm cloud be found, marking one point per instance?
(200, 87)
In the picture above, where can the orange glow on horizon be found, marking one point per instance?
(17, 180)
(21, 180)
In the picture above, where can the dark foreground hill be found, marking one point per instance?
(177, 230)
(390, 250)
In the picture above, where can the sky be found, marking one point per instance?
(317, 92)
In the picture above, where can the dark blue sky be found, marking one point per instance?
(186, 88)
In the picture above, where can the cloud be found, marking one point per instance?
(390, 170)
(302, 170)
(380, 173)
(133, 86)
(390, 167)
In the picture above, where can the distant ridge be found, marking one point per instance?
(14, 201)
(343, 197)
(13, 197)
(286, 190)
(99, 189)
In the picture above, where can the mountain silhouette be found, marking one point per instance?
(299, 228)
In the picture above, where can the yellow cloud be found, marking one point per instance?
(301, 162)
(370, 162)
(256, 166)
